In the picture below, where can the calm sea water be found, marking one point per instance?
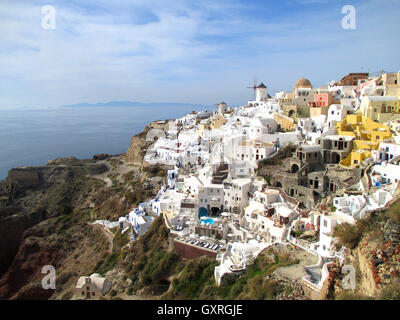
(30, 137)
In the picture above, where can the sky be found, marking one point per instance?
(201, 51)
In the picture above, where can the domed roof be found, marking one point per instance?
(303, 83)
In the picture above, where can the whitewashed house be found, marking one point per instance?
(385, 173)
(93, 287)
(236, 193)
(354, 206)
(337, 112)
(387, 151)
(211, 197)
(261, 126)
(328, 222)
(253, 151)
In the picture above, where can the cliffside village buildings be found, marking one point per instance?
(344, 152)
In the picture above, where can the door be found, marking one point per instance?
(87, 294)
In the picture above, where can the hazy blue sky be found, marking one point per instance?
(201, 51)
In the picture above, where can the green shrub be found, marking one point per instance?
(392, 292)
(393, 213)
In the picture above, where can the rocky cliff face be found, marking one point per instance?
(11, 230)
(137, 149)
(37, 196)
(376, 261)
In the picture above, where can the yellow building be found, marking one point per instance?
(380, 108)
(203, 126)
(319, 111)
(284, 98)
(295, 111)
(391, 84)
(367, 136)
(284, 123)
(218, 121)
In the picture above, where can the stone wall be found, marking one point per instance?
(188, 251)
(315, 293)
(369, 284)
(25, 177)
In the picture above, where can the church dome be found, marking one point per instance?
(302, 83)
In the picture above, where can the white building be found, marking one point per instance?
(387, 151)
(253, 151)
(261, 126)
(236, 193)
(302, 96)
(211, 197)
(337, 112)
(261, 93)
(169, 203)
(354, 206)
(92, 288)
(385, 173)
(222, 107)
(269, 215)
(328, 222)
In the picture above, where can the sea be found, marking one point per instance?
(32, 136)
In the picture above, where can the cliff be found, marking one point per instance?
(137, 149)
(46, 214)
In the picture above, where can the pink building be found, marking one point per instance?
(322, 100)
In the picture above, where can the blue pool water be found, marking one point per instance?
(209, 220)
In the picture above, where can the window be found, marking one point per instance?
(93, 294)
(325, 223)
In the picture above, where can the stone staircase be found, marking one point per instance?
(220, 174)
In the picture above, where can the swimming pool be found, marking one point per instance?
(209, 220)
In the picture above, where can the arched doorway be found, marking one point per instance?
(202, 212)
(215, 211)
(278, 184)
(335, 158)
(294, 168)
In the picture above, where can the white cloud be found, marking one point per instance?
(176, 51)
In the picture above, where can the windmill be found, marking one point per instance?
(254, 87)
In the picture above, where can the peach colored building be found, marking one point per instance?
(322, 100)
